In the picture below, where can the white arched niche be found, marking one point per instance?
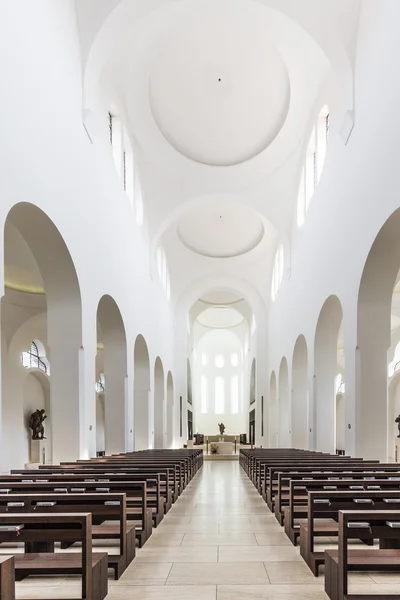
(218, 379)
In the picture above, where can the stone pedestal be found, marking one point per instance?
(38, 452)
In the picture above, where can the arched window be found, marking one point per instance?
(235, 394)
(163, 271)
(204, 360)
(203, 394)
(234, 359)
(277, 273)
(124, 162)
(314, 164)
(100, 385)
(339, 384)
(219, 395)
(33, 359)
(394, 366)
(219, 361)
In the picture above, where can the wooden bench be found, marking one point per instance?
(284, 495)
(37, 528)
(140, 515)
(298, 496)
(108, 507)
(339, 562)
(7, 578)
(327, 505)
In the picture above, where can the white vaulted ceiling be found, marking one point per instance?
(220, 97)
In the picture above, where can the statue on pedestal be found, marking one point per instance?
(397, 420)
(36, 424)
(221, 428)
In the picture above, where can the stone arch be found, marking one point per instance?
(300, 394)
(170, 410)
(273, 412)
(31, 236)
(142, 389)
(159, 404)
(374, 340)
(111, 336)
(325, 372)
(284, 405)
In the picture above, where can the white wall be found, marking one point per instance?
(357, 193)
(75, 184)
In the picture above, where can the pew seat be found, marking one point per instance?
(359, 560)
(62, 563)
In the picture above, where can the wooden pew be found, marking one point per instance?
(159, 493)
(326, 505)
(283, 495)
(137, 511)
(55, 528)
(331, 469)
(339, 562)
(110, 507)
(298, 500)
(7, 578)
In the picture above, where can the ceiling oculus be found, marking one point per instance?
(219, 91)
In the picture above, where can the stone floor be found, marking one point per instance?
(218, 542)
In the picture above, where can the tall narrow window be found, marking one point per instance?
(235, 394)
(277, 274)
(110, 127)
(203, 394)
(234, 359)
(219, 361)
(219, 395)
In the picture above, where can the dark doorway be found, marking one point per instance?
(252, 426)
(190, 425)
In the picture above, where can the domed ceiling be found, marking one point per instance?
(219, 90)
(220, 317)
(221, 229)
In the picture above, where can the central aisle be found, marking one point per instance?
(219, 541)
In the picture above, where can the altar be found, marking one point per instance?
(223, 447)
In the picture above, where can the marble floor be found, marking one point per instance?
(218, 542)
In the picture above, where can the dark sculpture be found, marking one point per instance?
(397, 420)
(221, 428)
(36, 424)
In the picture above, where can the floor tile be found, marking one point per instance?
(218, 573)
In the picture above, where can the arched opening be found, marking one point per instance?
(300, 394)
(252, 414)
(273, 412)
(159, 404)
(40, 279)
(170, 410)
(111, 337)
(141, 394)
(284, 406)
(340, 415)
(374, 339)
(325, 371)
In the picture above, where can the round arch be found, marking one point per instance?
(300, 394)
(25, 229)
(159, 404)
(374, 340)
(325, 371)
(111, 335)
(170, 410)
(141, 394)
(284, 405)
(273, 412)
